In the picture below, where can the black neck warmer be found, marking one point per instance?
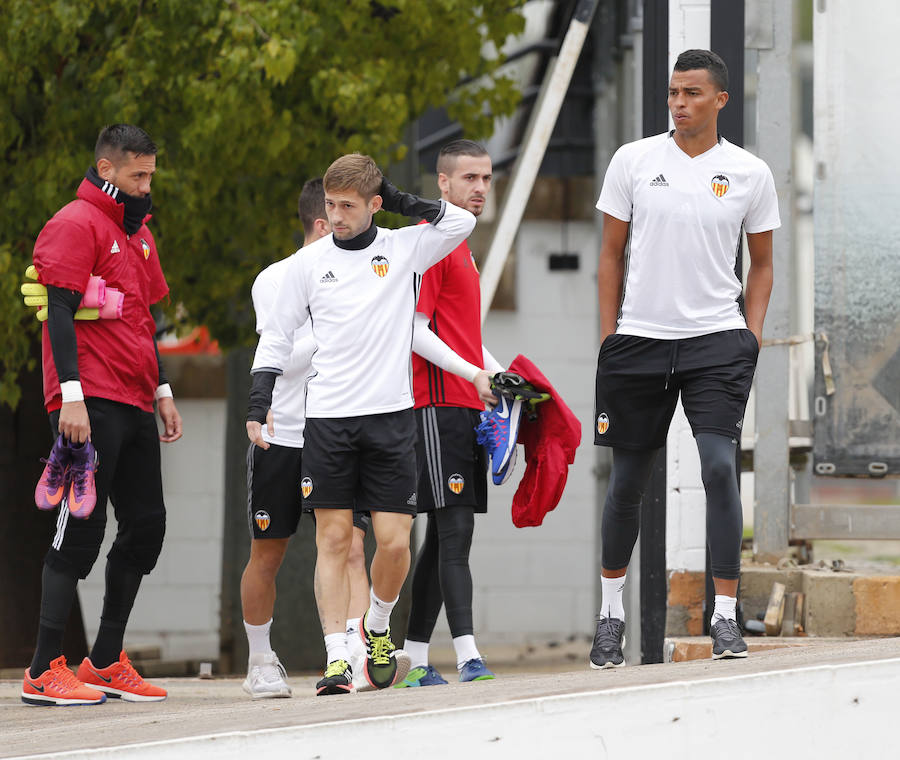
(135, 209)
(362, 240)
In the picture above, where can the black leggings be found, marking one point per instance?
(442, 574)
(724, 516)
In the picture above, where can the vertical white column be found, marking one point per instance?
(689, 22)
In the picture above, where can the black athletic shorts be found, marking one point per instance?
(452, 466)
(273, 490)
(361, 520)
(364, 463)
(639, 379)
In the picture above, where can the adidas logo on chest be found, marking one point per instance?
(328, 278)
(659, 181)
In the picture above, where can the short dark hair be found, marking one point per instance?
(446, 159)
(311, 205)
(691, 60)
(353, 172)
(118, 139)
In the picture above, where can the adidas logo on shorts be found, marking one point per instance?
(411, 501)
(659, 181)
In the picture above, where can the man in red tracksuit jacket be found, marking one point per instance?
(101, 379)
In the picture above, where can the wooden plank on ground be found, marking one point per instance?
(775, 610)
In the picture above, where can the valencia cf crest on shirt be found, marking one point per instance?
(719, 185)
(145, 247)
(262, 520)
(380, 265)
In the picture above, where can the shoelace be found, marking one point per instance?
(488, 433)
(607, 636)
(337, 668)
(381, 648)
(64, 679)
(80, 477)
(731, 626)
(130, 675)
(56, 475)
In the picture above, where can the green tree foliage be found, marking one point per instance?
(246, 99)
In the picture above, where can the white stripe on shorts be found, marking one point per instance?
(433, 455)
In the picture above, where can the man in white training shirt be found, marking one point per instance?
(273, 468)
(356, 288)
(685, 196)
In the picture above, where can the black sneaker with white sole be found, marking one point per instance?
(608, 642)
(727, 641)
(338, 679)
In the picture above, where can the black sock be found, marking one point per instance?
(57, 596)
(122, 584)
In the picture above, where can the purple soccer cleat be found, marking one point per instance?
(54, 481)
(82, 494)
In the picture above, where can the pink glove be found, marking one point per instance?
(111, 308)
(94, 294)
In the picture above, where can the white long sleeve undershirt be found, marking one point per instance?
(431, 348)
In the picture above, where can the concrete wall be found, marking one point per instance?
(178, 605)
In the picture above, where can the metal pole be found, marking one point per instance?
(540, 128)
(775, 129)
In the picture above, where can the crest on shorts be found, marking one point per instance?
(145, 247)
(306, 487)
(380, 265)
(262, 520)
(602, 423)
(456, 483)
(720, 184)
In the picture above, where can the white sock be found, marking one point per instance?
(611, 605)
(258, 637)
(465, 650)
(724, 609)
(352, 625)
(336, 647)
(418, 653)
(378, 618)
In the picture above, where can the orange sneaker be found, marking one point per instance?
(58, 686)
(120, 680)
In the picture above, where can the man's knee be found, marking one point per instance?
(266, 556)
(79, 549)
(356, 558)
(334, 531)
(139, 543)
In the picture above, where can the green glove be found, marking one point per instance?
(35, 294)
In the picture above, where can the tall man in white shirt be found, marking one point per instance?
(671, 324)
(356, 288)
(273, 467)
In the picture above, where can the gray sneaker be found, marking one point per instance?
(727, 641)
(608, 642)
(266, 677)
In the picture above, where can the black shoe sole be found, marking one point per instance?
(334, 689)
(607, 665)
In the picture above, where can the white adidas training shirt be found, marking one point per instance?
(361, 304)
(289, 394)
(686, 216)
